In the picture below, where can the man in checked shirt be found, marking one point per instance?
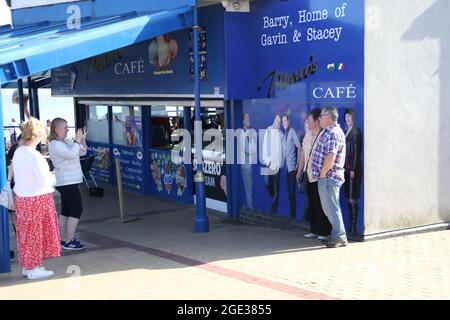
(328, 161)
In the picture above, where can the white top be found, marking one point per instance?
(65, 157)
(32, 176)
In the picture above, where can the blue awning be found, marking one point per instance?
(31, 49)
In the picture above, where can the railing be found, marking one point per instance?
(11, 137)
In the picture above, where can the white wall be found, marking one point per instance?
(407, 114)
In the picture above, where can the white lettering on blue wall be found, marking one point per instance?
(277, 39)
(130, 67)
(311, 25)
(275, 22)
(310, 16)
(314, 34)
(338, 92)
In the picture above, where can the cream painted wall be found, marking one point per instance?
(407, 114)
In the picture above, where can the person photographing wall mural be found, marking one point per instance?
(65, 156)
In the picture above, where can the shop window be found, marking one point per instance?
(127, 126)
(165, 120)
(212, 118)
(97, 124)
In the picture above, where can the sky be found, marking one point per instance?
(49, 107)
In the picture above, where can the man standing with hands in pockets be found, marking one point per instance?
(328, 162)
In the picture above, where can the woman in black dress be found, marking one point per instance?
(353, 167)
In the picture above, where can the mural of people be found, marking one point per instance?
(291, 154)
(247, 154)
(272, 158)
(353, 167)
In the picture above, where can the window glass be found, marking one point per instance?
(165, 119)
(127, 126)
(97, 124)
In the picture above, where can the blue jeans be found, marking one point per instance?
(329, 198)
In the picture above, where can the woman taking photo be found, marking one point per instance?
(36, 217)
(65, 156)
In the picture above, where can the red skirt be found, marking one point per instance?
(37, 230)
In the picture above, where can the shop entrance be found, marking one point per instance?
(143, 135)
(164, 121)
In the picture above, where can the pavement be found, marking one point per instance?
(159, 256)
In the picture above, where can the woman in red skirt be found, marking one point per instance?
(36, 218)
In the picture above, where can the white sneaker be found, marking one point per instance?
(37, 273)
(322, 238)
(310, 235)
(25, 272)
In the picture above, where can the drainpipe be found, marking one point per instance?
(201, 220)
(21, 100)
(5, 265)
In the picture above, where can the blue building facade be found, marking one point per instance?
(284, 57)
(280, 57)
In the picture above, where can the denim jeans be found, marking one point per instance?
(329, 198)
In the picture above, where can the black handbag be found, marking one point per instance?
(303, 182)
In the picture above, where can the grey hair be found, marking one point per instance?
(15, 96)
(332, 111)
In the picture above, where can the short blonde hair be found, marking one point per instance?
(32, 129)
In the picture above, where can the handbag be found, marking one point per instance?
(7, 196)
(303, 182)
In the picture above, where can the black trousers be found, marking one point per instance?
(71, 205)
(291, 183)
(319, 222)
(273, 188)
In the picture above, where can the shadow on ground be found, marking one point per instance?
(163, 232)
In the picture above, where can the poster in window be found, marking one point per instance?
(134, 131)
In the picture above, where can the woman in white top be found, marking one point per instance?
(65, 156)
(36, 217)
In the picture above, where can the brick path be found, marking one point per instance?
(160, 257)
